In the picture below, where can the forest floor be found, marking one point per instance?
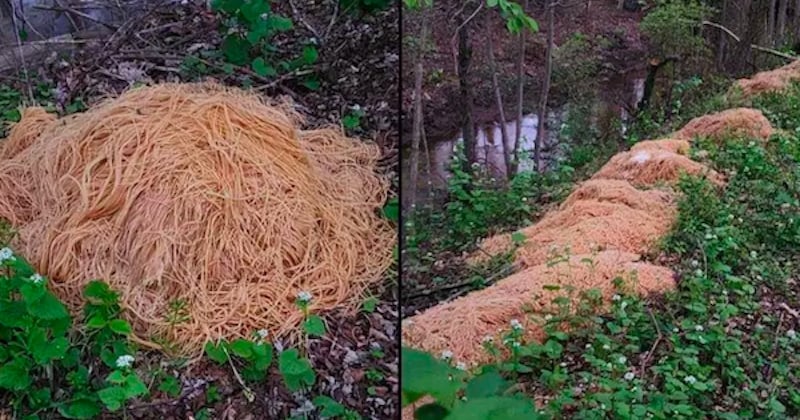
(592, 18)
(357, 361)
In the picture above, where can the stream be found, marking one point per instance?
(434, 170)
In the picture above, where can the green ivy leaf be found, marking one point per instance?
(314, 326)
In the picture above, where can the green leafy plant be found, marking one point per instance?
(297, 371)
(252, 357)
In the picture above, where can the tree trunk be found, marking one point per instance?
(771, 22)
(796, 21)
(416, 133)
(467, 124)
(498, 96)
(722, 38)
(540, 129)
(520, 99)
(782, 10)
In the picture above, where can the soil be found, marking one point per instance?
(357, 66)
(441, 94)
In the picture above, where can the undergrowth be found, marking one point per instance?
(723, 345)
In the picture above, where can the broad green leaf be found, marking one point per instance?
(99, 292)
(431, 411)
(494, 408)
(31, 291)
(14, 375)
(47, 307)
(236, 49)
(262, 356)
(97, 321)
(83, 408)
(134, 386)
(216, 352)
(370, 304)
(262, 68)
(392, 210)
(279, 23)
(425, 375)
(310, 55)
(314, 326)
(120, 326)
(112, 397)
(329, 406)
(487, 384)
(170, 386)
(296, 372)
(518, 238)
(241, 348)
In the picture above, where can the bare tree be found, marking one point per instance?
(520, 98)
(550, 5)
(498, 96)
(417, 125)
(465, 87)
(780, 36)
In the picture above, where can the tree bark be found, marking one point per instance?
(782, 10)
(520, 99)
(465, 86)
(541, 124)
(771, 22)
(417, 127)
(498, 96)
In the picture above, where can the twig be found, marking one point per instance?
(791, 311)
(503, 272)
(724, 29)
(773, 52)
(70, 11)
(299, 17)
(332, 22)
(458, 28)
(652, 351)
(248, 393)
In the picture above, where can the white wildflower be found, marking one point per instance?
(695, 263)
(698, 272)
(516, 344)
(36, 278)
(588, 345)
(709, 236)
(461, 366)
(125, 361)
(622, 360)
(6, 254)
(447, 355)
(606, 347)
(262, 334)
(515, 324)
(629, 376)
(616, 297)
(548, 317)
(791, 334)
(524, 198)
(753, 254)
(690, 379)
(487, 339)
(304, 296)
(675, 330)
(698, 328)
(725, 292)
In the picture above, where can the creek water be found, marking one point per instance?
(434, 170)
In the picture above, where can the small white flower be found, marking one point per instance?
(487, 339)
(548, 317)
(36, 278)
(264, 16)
(698, 328)
(262, 334)
(125, 361)
(447, 355)
(791, 334)
(563, 364)
(6, 254)
(616, 297)
(690, 379)
(375, 346)
(730, 217)
(629, 376)
(751, 144)
(675, 330)
(588, 345)
(602, 406)
(461, 366)
(304, 296)
(516, 344)
(524, 198)
(753, 254)
(609, 365)
(695, 263)
(698, 272)
(356, 107)
(622, 360)
(709, 236)
(624, 305)
(515, 324)
(606, 347)
(740, 220)
(725, 292)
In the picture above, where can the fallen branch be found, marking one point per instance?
(753, 46)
